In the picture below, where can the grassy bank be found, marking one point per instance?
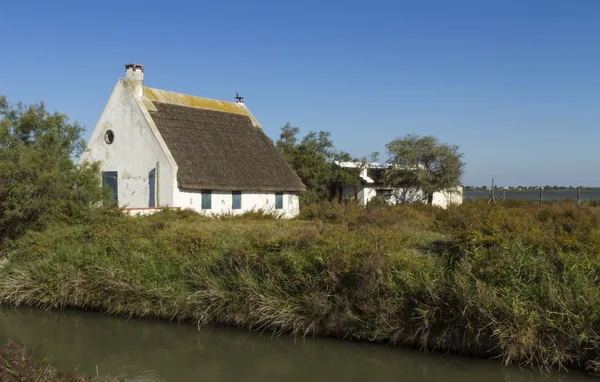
(17, 364)
(517, 282)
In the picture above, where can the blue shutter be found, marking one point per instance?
(110, 179)
(236, 200)
(152, 188)
(206, 205)
(279, 200)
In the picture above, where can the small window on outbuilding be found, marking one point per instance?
(206, 199)
(236, 200)
(279, 200)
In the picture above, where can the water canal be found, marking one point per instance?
(563, 195)
(147, 350)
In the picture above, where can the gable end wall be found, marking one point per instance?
(135, 151)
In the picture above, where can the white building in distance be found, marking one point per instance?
(164, 149)
(371, 186)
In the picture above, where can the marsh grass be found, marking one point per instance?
(17, 364)
(517, 283)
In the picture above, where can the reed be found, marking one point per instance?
(17, 364)
(516, 283)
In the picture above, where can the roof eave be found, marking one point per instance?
(212, 187)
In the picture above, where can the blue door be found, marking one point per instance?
(110, 179)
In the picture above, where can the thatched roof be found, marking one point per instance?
(221, 150)
(165, 96)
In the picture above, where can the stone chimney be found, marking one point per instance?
(134, 78)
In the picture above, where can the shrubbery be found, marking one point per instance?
(518, 283)
(17, 364)
(39, 181)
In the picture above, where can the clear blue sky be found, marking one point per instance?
(515, 84)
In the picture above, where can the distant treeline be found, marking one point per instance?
(529, 188)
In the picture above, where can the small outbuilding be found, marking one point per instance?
(164, 149)
(372, 186)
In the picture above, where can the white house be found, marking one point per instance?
(371, 186)
(164, 149)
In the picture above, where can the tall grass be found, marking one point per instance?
(518, 283)
(17, 364)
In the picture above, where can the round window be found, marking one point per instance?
(109, 136)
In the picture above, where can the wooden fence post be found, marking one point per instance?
(541, 197)
(578, 197)
(492, 199)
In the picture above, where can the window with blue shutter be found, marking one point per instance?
(152, 188)
(110, 180)
(206, 199)
(279, 200)
(236, 200)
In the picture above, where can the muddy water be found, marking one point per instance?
(146, 350)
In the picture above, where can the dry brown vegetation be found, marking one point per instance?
(516, 282)
(19, 364)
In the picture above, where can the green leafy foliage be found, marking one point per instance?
(313, 158)
(39, 181)
(517, 283)
(425, 163)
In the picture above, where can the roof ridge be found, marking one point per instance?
(187, 100)
(187, 95)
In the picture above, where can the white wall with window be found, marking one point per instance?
(110, 179)
(134, 154)
(214, 202)
(366, 193)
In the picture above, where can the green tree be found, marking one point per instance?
(425, 163)
(374, 156)
(39, 181)
(313, 158)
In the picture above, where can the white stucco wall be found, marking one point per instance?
(135, 150)
(221, 202)
(447, 197)
(368, 190)
(366, 193)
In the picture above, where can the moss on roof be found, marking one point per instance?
(164, 96)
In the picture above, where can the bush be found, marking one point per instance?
(39, 182)
(517, 283)
(17, 363)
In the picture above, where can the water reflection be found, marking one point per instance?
(146, 350)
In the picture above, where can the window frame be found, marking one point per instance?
(206, 203)
(109, 137)
(236, 204)
(106, 175)
(279, 200)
